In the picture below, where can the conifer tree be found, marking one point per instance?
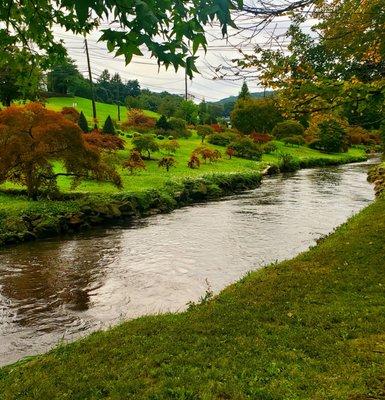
(108, 127)
(244, 93)
(83, 124)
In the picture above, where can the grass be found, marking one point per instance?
(309, 328)
(103, 110)
(14, 204)
(156, 178)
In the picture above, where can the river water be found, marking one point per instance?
(61, 289)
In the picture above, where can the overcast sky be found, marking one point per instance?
(145, 69)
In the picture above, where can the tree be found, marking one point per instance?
(207, 154)
(83, 124)
(288, 128)
(179, 127)
(103, 87)
(171, 146)
(255, 115)
(145, 143)
(132, 88)
(230, 151)
(167, 162)
(214, 111)
(339, 65)
(168, 105)
(139, 25)
(133, 102)
(109, 126)
(244, 93)
(188, 111)
(203, 112)
(32, 137)
(331, 137)
(20, 75)
(63, 77)
(104, 141)
(246, 148)
(194, 162)
(135, 162)
(204, 130)
(162, 123)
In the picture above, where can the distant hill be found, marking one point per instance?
(232, 99)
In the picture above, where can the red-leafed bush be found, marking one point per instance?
(261, 137)
(207, 154)
(32, 137)
(230, 151)
(216, 128)
(137, 120)
(167, 162)
(135, 162)
(71, 114)
(103, 141)
(194, 162)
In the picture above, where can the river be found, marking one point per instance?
(64, 288)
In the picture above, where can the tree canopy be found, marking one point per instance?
(165, 28)
(20, 76)
(338, 65)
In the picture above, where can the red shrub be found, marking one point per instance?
(207, 154)
(230, 151)
(217, 128)
(71, 114)
(135, 162)
(194, 162)
(103, 142)
(136, 119)
(261, 137)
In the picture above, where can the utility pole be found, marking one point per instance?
(185, 84)
(91, 84)
(118, 93)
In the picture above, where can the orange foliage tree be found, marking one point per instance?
(167, 162)
(194, 162)
(103, 141)
(135, 162)
(136, 119)
(32, 137)
(207, 154)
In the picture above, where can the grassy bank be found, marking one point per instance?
(153, 190)
(309, 328)
(103, 110)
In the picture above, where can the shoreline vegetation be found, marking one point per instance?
(151, 192)
(308, 328)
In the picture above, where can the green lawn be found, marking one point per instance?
(154, 177)
(103, 110)
(309, 328)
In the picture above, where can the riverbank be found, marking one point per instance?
(150, 192)
(377, 177)
(309, 328)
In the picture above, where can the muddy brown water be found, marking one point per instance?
(64, 288)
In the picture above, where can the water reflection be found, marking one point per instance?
(64, 288)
